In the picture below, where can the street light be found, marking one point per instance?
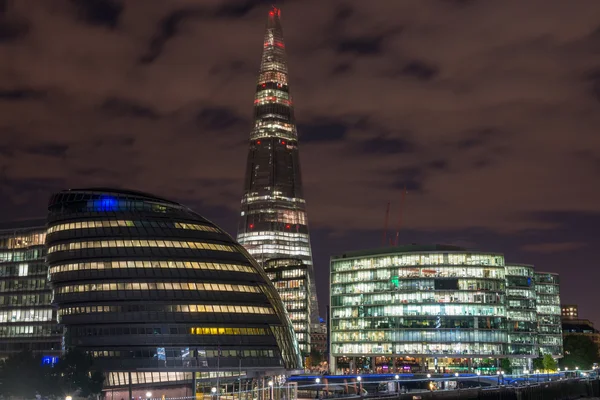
(317, 381)
(498, 373)
(213, 390)
(148, 395)
(478, 382)
(68, 398)
(396, 377)
(271, 391)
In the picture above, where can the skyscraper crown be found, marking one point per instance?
(273, 104)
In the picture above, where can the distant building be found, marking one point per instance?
(319, 337)
(27, 319)
(583, 327)
(159, 296)
(438, 308)
(291, 279)
(547, 288)
(570, 311)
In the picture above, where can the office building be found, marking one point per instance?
(569, 311)
(431, 308)
(273, 221)
(158, 295)
(290, 278)
(28, 322)
(549, 314)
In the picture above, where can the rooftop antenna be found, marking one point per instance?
(400, 216)
(385, 225)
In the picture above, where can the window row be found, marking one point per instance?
(22, 255)
(162, 353)
(23, 241)
(26, 299)
(179, 308)
(418, 298)
(437, 322)
(31, 315)
(447, 349)
(409, 259)
(23, 269)
(8, 331)
(23, 285)
(139, 243)
(129, 224)
(88, 266)
(451, 335)
(414, 310)
(446, 271)
(118, 286)
(417, 285)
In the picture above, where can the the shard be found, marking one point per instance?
(273, 222)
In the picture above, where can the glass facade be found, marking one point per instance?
(429, 308)
(273, 221)
(27, 319)
(290, 278)
(145, 284)
(521, 315)
(550, 340)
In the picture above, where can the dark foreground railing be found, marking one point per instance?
(557, 390)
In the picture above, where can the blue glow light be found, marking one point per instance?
(49, 360)
(106, 204)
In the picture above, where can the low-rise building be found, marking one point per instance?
(27, 319)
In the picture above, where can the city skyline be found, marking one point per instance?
(486, 112)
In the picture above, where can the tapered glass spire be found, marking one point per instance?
(273, 222)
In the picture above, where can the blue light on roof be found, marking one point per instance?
(106, 204)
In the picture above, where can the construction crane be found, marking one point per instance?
(404, 192)
(385, 224)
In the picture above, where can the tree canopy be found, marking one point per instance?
(23, 376)
(549, 363)
(579, 351)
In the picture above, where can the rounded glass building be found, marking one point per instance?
(157, 294)
(418, 308)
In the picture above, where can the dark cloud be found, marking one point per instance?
(105, 13)
(420, 70)
(12, 26)
(477, 138)
(122, 107)
(21, 94)
(341, 68)
(238, 9)
(593, 79)
(363, 45)
(48, 149)
(385, 145)
(217, 118)
(322, 130)
(167, 28)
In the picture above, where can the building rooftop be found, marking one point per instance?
(411, 248)
(22, 224)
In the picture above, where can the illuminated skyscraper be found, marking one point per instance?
(273, 220)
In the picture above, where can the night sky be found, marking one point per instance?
(488, 112)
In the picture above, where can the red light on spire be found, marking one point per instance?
(251, 226)
(272, 13)
(287, 226)
(258, 142)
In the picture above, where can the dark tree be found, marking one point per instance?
(538, 363)
(506, 366)
(77, 374)
(579, 351)
(22, 375)
(549, 363)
